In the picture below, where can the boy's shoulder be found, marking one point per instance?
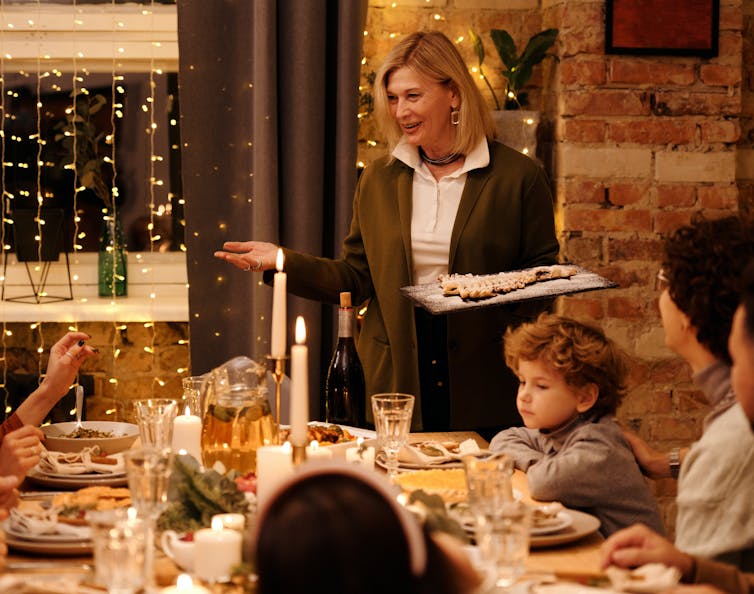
(605, 426)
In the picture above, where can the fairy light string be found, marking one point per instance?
(3, 341)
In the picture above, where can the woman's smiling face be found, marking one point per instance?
(422, 109)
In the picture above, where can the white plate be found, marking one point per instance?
(382, 463)
(49, 548)
(44, 538)
(83, 475)
(583, 525)
(73, 481)
(562, 520)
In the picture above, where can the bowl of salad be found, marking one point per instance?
(111, 436)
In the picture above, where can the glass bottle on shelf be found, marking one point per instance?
(112, 263)
(345, 390)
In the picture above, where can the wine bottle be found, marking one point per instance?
(345, 391)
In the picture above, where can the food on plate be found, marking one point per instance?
(324, 434)
(84, 433)
(472, 286)
(546, 514)
(450, 484)
(72, 507)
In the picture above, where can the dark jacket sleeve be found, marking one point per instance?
(724, 576)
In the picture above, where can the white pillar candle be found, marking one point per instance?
(361, 454)
(274, 465)
(235, 522)
(185, 585)
(217, 551)
(299, 385)
(187, 434)
(314, 450)
(280, 280)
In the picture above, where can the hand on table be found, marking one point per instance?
(249, 255)
(19, 451)
(638, 545)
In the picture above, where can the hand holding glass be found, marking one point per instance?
(392, 420)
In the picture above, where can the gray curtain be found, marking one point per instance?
(268, 96)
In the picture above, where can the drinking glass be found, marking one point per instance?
(148, 471)
(503, 541)
(488, 480)
(192, 394)
(155, 417)
(392, 420)
(120, 557)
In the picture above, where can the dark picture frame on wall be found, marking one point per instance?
(662, 27)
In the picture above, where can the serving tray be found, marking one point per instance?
(431, 298)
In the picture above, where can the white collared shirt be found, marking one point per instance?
(433, 209)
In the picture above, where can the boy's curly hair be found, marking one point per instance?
(580, 352)
(704, 263)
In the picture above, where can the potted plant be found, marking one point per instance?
(515, 126)
(83, 142)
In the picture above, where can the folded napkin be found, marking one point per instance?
(647, 579)
(433, 452)
(87, 461)
(43, 522)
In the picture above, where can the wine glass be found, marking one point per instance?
(155, 417)
(148, 471)
(121, 557)
(392, 420)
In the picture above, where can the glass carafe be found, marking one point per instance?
(237, 416)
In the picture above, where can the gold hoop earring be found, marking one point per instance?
(455, 117)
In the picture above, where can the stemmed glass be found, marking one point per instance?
(148, 471)
(392, 420)
(155, 417)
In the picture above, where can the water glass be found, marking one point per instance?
(192, 394)
(155, 417)
(148, 471)
(488, 480)
(392, 420)
(120, 557)
(503, 541)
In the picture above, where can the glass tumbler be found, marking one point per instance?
(155, 417)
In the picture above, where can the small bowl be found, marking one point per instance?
(124, 434)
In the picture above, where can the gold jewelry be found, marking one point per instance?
(455, 116)
(258, 265)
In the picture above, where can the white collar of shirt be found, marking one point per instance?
(409, 154)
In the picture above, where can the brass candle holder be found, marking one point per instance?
(299, 454)
(277, 366)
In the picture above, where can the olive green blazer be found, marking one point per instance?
(504, 222)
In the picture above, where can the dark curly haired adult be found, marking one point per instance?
(703, 264)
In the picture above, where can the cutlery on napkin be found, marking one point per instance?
(44, 522)
(434, 452)
(87, 461)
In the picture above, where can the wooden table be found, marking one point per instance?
(580, 557)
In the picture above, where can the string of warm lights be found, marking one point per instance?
(3, 339)
(151, 131)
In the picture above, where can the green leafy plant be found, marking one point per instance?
(518, 68)
(82, 142)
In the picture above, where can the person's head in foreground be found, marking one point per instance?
(699, 279)
(741, 345)
(337, 527)
(565, 368)
(424, 91)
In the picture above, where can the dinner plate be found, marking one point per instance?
(44, 538)
(49, 548)
(74, 481)
(582, 525)
(381, 461)
(561, 521)
(84, 475)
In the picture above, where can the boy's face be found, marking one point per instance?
(741, 349)
(544, 399)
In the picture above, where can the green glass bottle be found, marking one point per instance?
(112, 263)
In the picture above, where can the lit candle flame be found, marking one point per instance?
(217, 523)
(300, 330)
(280, 260)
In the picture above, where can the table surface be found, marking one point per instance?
(577, 558)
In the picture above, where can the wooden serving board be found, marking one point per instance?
(431, 298)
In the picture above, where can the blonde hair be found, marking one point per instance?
(581, 353)
(432, 55)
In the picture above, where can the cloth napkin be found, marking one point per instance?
(83, 462)
(41, 522)
(433, 452)
(647, 579)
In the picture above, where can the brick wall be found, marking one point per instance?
(635, 146)
(123, 356)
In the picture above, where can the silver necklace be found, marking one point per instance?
(446, 160)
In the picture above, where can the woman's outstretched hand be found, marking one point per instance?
(249, 255)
